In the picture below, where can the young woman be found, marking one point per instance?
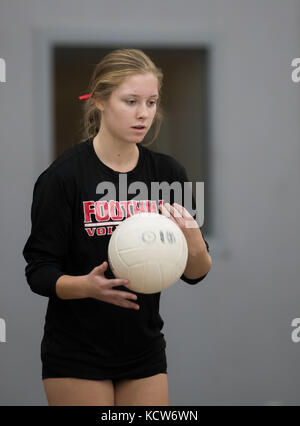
(102, 343)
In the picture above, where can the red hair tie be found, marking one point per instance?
(84, 97)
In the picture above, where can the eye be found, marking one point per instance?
(129, 101)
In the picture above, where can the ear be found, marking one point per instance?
(99, 105)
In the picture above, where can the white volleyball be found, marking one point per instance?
(150, 250)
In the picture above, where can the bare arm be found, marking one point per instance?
(97, 286)
(72, 287)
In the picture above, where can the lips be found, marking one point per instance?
(139, 131)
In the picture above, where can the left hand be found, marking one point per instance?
(179, 215)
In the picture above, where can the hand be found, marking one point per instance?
(101, 288)
(188, 225)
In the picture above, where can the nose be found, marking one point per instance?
(142, 111)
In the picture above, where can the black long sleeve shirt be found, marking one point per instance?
(70, 233)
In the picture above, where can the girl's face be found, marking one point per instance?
(132, 103)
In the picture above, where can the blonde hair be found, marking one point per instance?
(108, 74)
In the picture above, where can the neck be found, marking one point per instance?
(115, 152)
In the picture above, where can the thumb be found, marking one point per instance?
(102, 267)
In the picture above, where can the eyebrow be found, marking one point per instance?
(132, 94)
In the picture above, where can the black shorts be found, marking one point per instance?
(147, 364)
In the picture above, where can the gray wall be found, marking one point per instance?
(228, 338)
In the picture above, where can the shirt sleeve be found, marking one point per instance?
(195, 280)
(47, 245)
(182, 177)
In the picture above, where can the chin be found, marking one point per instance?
(139, 140)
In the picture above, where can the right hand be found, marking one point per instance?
(100, 287)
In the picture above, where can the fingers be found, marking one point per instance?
(101, 268)
(119, 298)
(122, 298)
(114, 282)
(104, 265)
(125, 304)
(126, 294)
(131, 306)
